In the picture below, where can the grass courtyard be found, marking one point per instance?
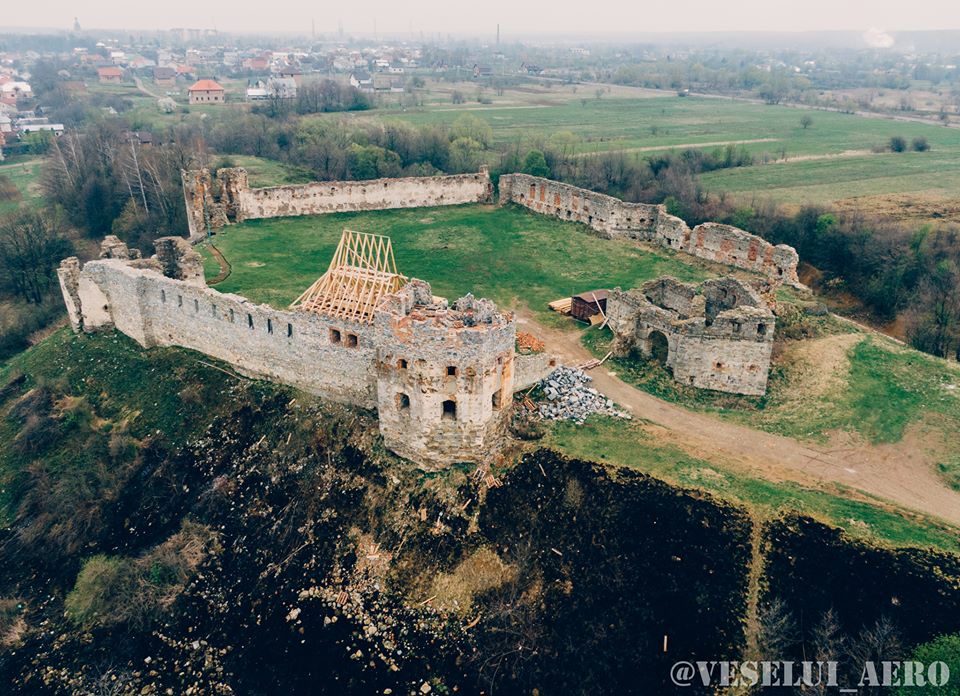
(504, 254)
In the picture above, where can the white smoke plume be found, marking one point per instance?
(877, 38)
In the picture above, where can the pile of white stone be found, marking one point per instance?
(569, 396)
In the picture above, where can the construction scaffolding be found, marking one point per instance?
(361, 273)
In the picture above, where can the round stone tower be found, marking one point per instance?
(444, 376)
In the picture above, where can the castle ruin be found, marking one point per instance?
(214, 202)
(716, 335)
(441, 377)
(612, 218)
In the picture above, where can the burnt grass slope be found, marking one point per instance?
(171, 528)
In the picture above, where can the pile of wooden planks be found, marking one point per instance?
(562, 306)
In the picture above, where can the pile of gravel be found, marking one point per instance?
(569, 396)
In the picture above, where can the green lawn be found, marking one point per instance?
(499, 253)
(624, 443)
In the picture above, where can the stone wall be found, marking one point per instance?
(293, 348)
(441, 377)
(530, 368)
(228, 198)
(718, 335)
(444, 376)
(610, 217)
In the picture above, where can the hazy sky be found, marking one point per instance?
(480, 17)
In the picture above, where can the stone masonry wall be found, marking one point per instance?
(531, 368)
(289, 347)
(612, 218)
(433, 355)
(440, 377)
(719, 335)
(230, 199)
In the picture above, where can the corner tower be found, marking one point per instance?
(444, 376)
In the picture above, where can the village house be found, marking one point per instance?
(110, 76)
(361, 80)
(165, 77)
(206, 92)
(16, 89)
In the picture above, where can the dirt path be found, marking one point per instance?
(899, 473)
(143, 88)
(225, 268)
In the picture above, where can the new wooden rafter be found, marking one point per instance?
(361, 273)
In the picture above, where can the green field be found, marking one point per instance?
(936, 173)
(641, 123)
(500, 253)
(25, 174)
(665, 122)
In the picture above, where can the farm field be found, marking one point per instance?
(935, 174)
(829, 161)
(499, 253)
(664, 122)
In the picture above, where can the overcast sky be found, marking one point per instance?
(480, 17)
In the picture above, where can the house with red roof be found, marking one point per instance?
(206, 92)
(110, 76)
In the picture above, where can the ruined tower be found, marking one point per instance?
(444, 375)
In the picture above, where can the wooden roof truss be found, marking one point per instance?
(361, 273)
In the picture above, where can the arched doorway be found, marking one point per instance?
(659, 347)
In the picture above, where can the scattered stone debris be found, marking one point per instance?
(569, 396)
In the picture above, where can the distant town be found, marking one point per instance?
(194, 67)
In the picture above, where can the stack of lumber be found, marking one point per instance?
(562, 306)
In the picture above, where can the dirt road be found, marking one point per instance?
(899, 473)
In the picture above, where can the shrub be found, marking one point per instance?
(116, 589)
(920, 144)
(8, 190)
(898, 143)
(105, 592)
(944, 649)
(536, 164)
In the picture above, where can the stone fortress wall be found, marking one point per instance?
(613, 218)
(716, 335)
(440, 377)
(228, 198)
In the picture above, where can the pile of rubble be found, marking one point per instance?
(569, 396)
(528, 343)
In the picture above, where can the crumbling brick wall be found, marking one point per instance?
(229, 198)
(612, 218)
(718, 335)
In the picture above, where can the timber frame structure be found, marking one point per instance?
(361, 273)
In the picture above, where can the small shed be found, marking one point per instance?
(588, 304)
